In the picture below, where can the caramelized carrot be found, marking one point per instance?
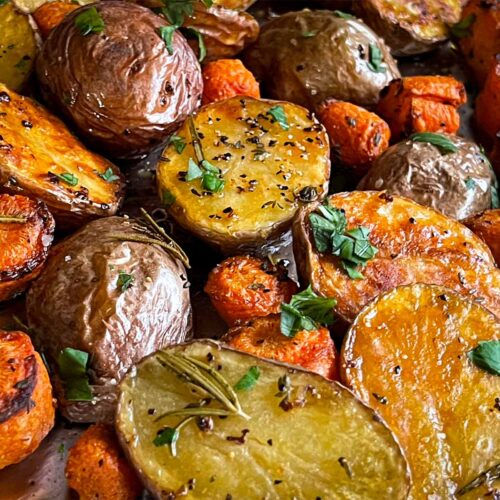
(50, 14)
(245, 287)
(487, 110)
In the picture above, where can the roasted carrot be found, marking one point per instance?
(97, 467)
(422, 104)
(487, 110)
(26, 405)
(226, 78)
(357, 136)
(313, 350)
(246, 287)
(50, 14)
(487, 226)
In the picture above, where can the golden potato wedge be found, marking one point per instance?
(406, 355)
(269, 169)
(410, 27)
(18, 46)
(40, 158)
(317, 442)
(415, 244)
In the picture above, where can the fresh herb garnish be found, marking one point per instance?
(68, 178)
(329, 228)
(23, 63)
(72, 365)
(343, 15)
(278, 113)
(3, 2)
(248, 381)
(178, 142)
(124, 281)
(495, 200)
(309, 34)
(485, 478)
(167, 35)
(170, 436)
(61, 448)
(443, 143)
(194, 33)
(89, 21)
(167, 198)
(462, 28)
(375, 59)
(487, 356)
(470, 183)
(109, 175)
(12, 219)
(306, 311)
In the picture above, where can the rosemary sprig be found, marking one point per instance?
(488, 476)
(11, 219)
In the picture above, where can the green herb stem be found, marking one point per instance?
(11, 219)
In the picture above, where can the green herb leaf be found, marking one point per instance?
(169, 436)
(462, 28)
(470, 183)
(305, 311)
(375, 59)
(278, 113)
(343, 15)
(324, 224)
(109, 175)
(194, 33)
(443, 143)
(125, 281)
(3, 2)
(194, 171)
(72, 365)
(487, 356)
(309, 34)
(177, 10)
(178, 142)
(167, 35)
(207, 3)
(212, 182)
(89, 21)
(68, 178)
(23, 63)
(248, 381)
(167, 198)
(61, 448)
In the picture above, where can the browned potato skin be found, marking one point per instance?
(487, 227)
(410, 347)
(121, 104)
(34, 145)
(415, 245)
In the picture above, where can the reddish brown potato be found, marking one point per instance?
(26, 233)
(50, 14)
(26, 405)
(247, 287)
(487, 227)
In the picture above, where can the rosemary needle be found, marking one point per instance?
(11, 219)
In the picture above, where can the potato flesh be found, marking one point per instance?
(306, 442)
(263, 195)
(440, 406)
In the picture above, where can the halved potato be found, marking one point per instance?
(406, 355)
(410, 27)
(415, 245)
(39, 157)
(330, 447)
(18, 46)
(268, 168)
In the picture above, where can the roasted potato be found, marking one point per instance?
(26, 405)
(271, 156)
(306, 57)
(487, 106)
(487, 226)
(18, 46)
(415, 244)
(39, 157)
(128, 299)
(479, 40)
(410, 27)
(26, 233)
(245, 287)
(50, 14)
(30, 6)
(408, 356)
(119, 102)
(296, 426)
(458, 183)
(313, 350)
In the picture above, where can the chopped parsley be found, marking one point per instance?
(72, 365)
(68, 178)
(470, 183)
(178, 142)
(462, 28)
(278, 113)
(167, 35)
(343, 15)
(124, 281)
(89, 21)
(487, 356)
(248, 381)
(375, 59)
(109, 175)
(168, 198)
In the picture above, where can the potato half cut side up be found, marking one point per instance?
(41, 158)
(415, 244)
(267, 157)
(413, 356)
(288, 433)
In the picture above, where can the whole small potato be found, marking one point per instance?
(308, 56)
(122, 88)
(457, 184)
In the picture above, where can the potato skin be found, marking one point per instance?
(410, 27)
(308, 70)
(312, 350)
(487, 226)
(50, 14)
(27, 410)
(118, 328)
(406, 356)
(245, 287)
(35, 147)
(415, 244)
(123, 92)
(456, 184)
(24, 246)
